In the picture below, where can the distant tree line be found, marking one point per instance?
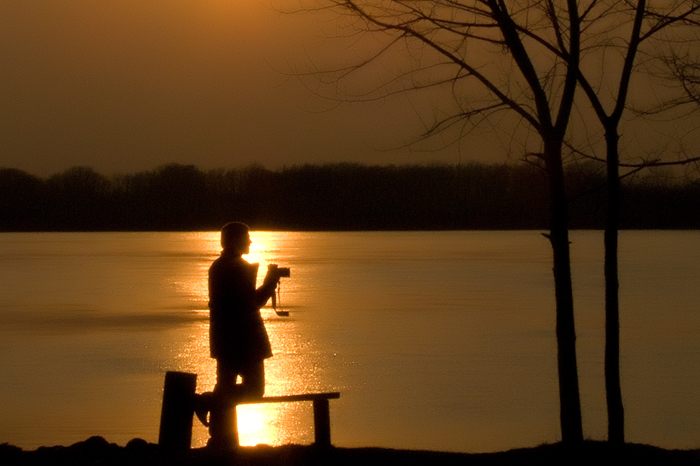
(331, 197)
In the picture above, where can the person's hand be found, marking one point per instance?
(272, 277)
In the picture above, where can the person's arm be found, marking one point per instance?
(267, 289)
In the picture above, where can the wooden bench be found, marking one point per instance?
(322, 416)
(178, 411)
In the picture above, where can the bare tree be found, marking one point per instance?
(623, 27)
(522, 57)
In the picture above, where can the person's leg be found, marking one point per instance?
(226, 375)
(253, 378)
(222, 420)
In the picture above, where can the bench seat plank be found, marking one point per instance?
(291, 398)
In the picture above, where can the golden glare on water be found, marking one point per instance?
(271, 424)
(435, 340)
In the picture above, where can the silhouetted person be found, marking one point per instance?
(238, 339)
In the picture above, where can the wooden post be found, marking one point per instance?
(177, 411)
(322, 422)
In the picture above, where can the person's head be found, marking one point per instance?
(235, 237)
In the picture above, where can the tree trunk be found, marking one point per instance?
(613, 391)
(569, 398)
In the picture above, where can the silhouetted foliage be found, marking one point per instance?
(331, 197)
(21, 200)
(77, 199)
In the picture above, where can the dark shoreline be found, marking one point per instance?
(336, 197)
(98, 451)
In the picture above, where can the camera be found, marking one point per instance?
(280, 272)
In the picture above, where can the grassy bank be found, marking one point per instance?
(97, 451)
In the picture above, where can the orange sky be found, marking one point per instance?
(127, 85)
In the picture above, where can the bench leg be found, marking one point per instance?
(322, 422)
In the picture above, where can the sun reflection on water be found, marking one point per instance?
(286, 373)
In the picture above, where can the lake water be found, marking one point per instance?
(436, 340)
